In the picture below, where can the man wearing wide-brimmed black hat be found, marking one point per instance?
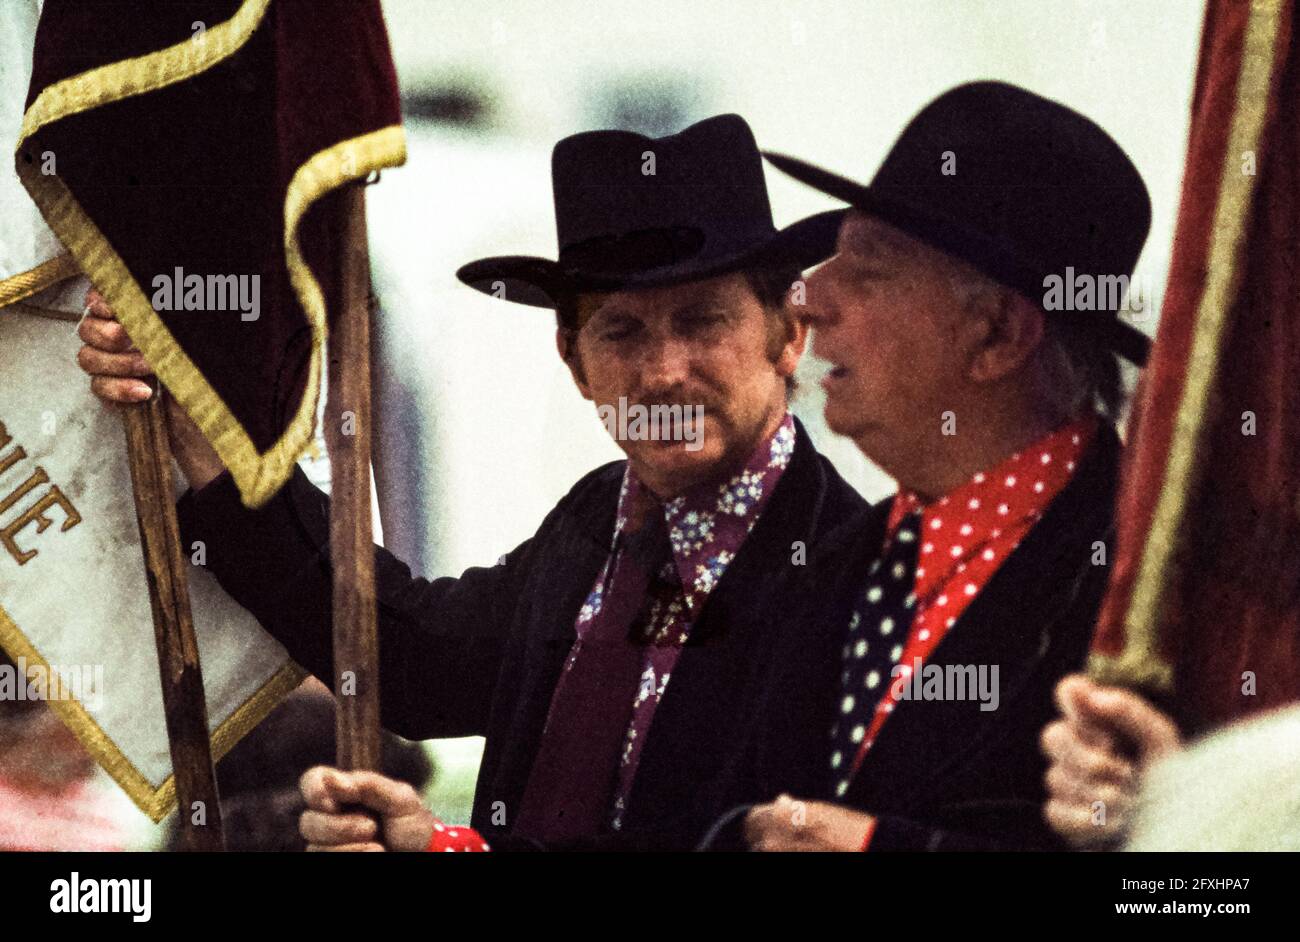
(970, 319)
(613, 661)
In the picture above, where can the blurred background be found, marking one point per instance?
(481, 430)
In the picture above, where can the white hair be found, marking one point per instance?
(1071, 377)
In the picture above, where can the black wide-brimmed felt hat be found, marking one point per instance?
(637, 212)
(1020, 187)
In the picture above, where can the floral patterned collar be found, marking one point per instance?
(708, 524)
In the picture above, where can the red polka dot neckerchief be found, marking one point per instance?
(967, 535)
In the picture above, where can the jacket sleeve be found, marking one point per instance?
(441, 642)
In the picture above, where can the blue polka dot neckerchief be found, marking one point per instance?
(874, 643)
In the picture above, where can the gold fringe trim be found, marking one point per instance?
(257, 475)
(147, 73)
(156, 802)
(1133, 668)
(1140, 664)
(35, 280)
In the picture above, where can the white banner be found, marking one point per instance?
(74, 604)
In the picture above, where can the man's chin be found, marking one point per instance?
(677, 454)
(844, 419)
(676, 465)
(841, 419)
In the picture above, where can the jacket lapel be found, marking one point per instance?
(570, 560)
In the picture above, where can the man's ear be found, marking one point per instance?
(566, 343)
(796, 339)
(1012, 328)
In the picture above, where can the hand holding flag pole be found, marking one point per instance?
(149, 457)
(347, 422)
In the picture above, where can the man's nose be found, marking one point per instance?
(666, 364)
(815, 304)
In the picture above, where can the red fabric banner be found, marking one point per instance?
(1205, 595)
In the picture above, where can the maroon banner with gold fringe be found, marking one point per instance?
(187, 154)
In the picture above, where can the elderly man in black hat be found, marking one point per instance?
(960, 370)
(613, 660)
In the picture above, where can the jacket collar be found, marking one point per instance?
(708, 525)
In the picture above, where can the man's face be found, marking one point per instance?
(886, 317)
(708, 344)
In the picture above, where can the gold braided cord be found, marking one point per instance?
(47, 274)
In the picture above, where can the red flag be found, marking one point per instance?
(1205, 598)
(186, 154)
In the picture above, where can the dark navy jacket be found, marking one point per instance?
(946, 775)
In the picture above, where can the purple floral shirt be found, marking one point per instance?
(706, 527)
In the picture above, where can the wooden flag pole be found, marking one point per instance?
(150, 455)
(347, 435)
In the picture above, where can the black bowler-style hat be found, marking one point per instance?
(636, 212)
(1020, 187)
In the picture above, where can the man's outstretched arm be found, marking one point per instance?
(440, 641)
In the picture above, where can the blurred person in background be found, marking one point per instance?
(676, 564)
(50, 798)
(258, 779)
